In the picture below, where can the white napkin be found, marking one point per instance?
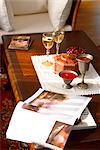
(52, 82)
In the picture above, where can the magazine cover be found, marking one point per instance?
(20, 42)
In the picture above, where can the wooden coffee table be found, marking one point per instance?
(24, 80)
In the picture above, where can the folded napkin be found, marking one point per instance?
(52, 82)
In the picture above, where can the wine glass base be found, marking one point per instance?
(82, 85)
(47, 63)
(67, 86)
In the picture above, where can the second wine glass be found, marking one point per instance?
(58, 38)
(48, 41)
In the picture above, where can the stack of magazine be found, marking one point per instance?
(47, 118)
(21, 42)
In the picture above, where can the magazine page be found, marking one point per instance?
(63, 108)
(32, 127)
(29, 126)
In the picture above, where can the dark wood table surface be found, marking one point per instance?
(24, 80)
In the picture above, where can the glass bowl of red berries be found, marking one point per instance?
(75, 50)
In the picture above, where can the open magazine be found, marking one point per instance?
(46, 118)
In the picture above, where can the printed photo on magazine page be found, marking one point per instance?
(59, 134)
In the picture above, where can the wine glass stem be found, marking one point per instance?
(47, 53)
(57, 48)
(83, 75)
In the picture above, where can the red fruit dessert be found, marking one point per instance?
(75, 50)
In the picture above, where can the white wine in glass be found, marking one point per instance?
(58, 38)
(48, 41)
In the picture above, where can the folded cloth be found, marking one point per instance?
(52, 82)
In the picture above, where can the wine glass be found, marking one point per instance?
(58, 38)
(68, 76)
(83, 65)
(48, 41)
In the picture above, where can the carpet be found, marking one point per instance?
(7, 104)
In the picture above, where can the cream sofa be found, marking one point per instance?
(33, 16)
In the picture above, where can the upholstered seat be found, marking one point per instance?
(41, 21)
(36, 23)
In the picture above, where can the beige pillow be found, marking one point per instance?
(23, 7)
(6, 16)
(59, 11)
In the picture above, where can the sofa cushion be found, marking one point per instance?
(23, 7)
(6, 16)
(37, 23)
(59, 11)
